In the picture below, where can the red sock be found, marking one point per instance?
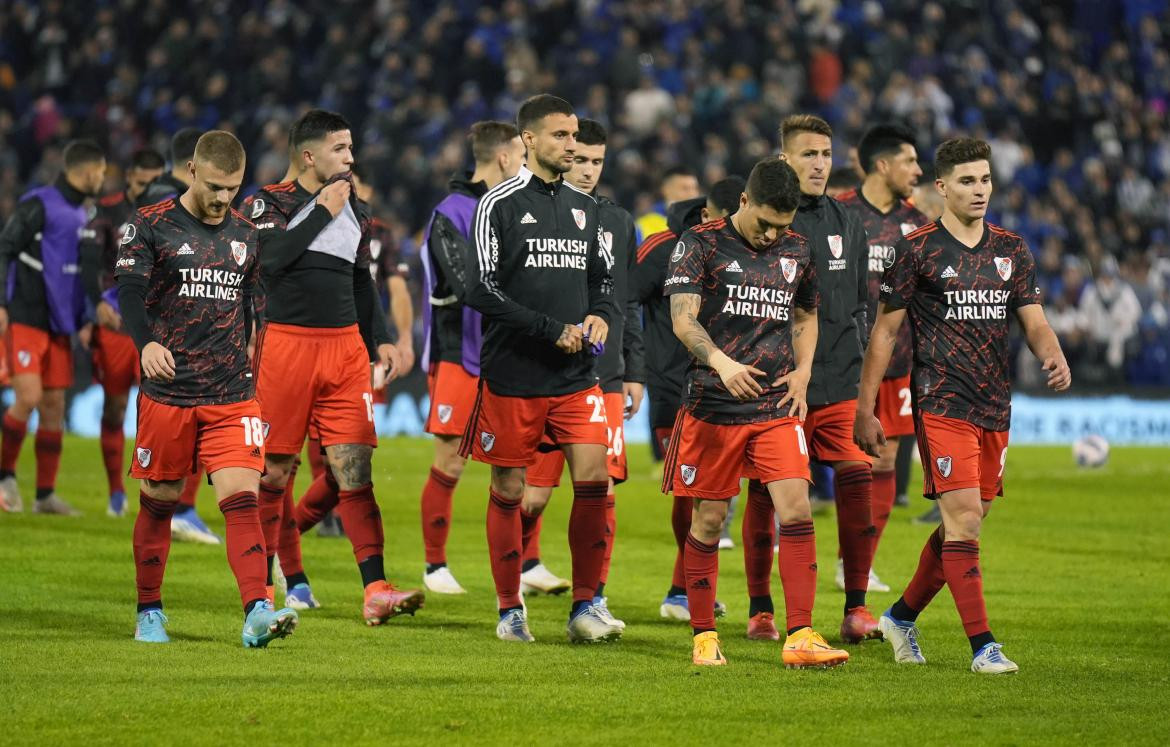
(321, 498)
(928, 578)
(362, 519)
(587, 536)
(798, 572)
(245, 545)
(702, 571)
(529, 536)
(436, 514)
(610, 530)
(960, 561)
(152, 544)
(12, 433)
(680, 523)
(271, 498)
(48, 450)
(885, 488)
(316, 458)
(503, 539)
(288, 542)
(191, 489)
(759, 536)
(113, 442)
(854, 488)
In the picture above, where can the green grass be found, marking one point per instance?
(1075, 566)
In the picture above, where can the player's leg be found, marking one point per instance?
(702, 574)
(279, 469)
(27, 352)
(317, 504)
(113, 446)
(853, 483)
(298, 593)
(615, 462)
(759, 537)
(884, 492)
(152, 545)
(539, 480)
(187, 525)
(504, 543)
(48, 443)
(435, 509)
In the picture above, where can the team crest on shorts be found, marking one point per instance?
(688, 473)
(265, 425)
(143, 457)
(239, 252)
(444, 413)
(788, 267)
(1003, 265)
(944, 466)
(836, 246)
(487, 440)
(579, 218)
(24, 357)
(258, 207)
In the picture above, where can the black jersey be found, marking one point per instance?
(623, 359)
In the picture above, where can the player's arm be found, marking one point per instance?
(485, 295)
(449, 250)
(132, 270)
(280, 248)
(18, 233)
(649, 271)
(860, 252)
(1044, 344)
(602, 307)
(402, 313)
(371, 319)
(805, 330)
(737, 377)
(633, 346)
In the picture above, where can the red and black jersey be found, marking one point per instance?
(111, 220)
(747, 302)
(883, 231)
(385, 259)
(199, 281)
(958, 298)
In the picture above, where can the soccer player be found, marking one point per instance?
(542, 282)
(678, 183)
(176, 181)
(322, 328)
(666, 377)
(43, 305)
(620, 367)
(743, 296)
(185, 271)
(958, 280)
(890, 160)
(115, 359)
(452, 334)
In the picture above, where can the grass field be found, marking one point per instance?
(1075, 564)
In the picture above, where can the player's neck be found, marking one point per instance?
(182, 176)
(187, 200)
(490, 176)
(877, 193)
(310, 182)
(969, 233)
(543, 174)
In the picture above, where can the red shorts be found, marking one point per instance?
(546, 472)
(707, 460)
(173, 442)
(36, 351)
(957, 454)
(830, 433)
(115, 360)
(506, 431)
(452, 392)
(893, 408)
(314, 376)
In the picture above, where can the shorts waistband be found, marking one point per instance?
(295, 329)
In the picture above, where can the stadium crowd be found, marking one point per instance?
(1072, 95)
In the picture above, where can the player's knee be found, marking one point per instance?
(451, 465)
(885, 463)
(277, 469)
(166, 491)
(709, 522)
(508, 482)
(351, 465)
(963, 526)
(536, 499)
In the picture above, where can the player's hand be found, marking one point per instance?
(107, 316)
(1059, 374)
(570, 339)
(334, 196)
(739, 379)
(797, 382)
(868, 433)
(595, 329)
(390, 361)
(85, 335)
(405, 355)
(157, 362)
(632, 393)
(3, 321)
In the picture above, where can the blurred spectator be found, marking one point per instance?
(1111, 312)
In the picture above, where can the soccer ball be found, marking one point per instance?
(1091, 451)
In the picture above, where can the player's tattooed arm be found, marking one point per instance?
(351, 465)
(738, 378)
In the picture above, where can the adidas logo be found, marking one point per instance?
(152, 560)
(527, 219)
(374, 515)
(514, 555)
(733, 267)
(702, 583)
(186, 249)
(439, 522)
(950, 273)
(256, 548)
(255, 451)
(599, 545)
(812, 566)
(973, 572)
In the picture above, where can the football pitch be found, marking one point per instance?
(1075, 564)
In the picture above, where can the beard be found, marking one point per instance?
(555, 166)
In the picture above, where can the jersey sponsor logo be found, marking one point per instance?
(881, 257)
(557, 253)
(752, 300)
(527, 219)
(836, 246)
(688, 473)
(976, 304)
(1003, 265)
(262, 226)
(125, 262)
(908, 228)
(949, 273)
(579, 218)
(24, 358)
(680, 280)
(487, 440)
(129, 234)
(677, 254)
(143, 457)
(444, 413)
(185, 249)
(239, 252)
(885, 288)
(944, 466)
(788, 268)
(203, 282)
(258, 208)
(733, 267)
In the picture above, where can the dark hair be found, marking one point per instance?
(880, 140)
(843, 179)
(797, 123)
(774, 183)
(674, 171)
(82, 152)
(147, 158)
(538, 107)
(724, 194)
(591, 132)
(958, 151)
(488, 137)
(221, 149)
(183, 145)
(315, 125)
